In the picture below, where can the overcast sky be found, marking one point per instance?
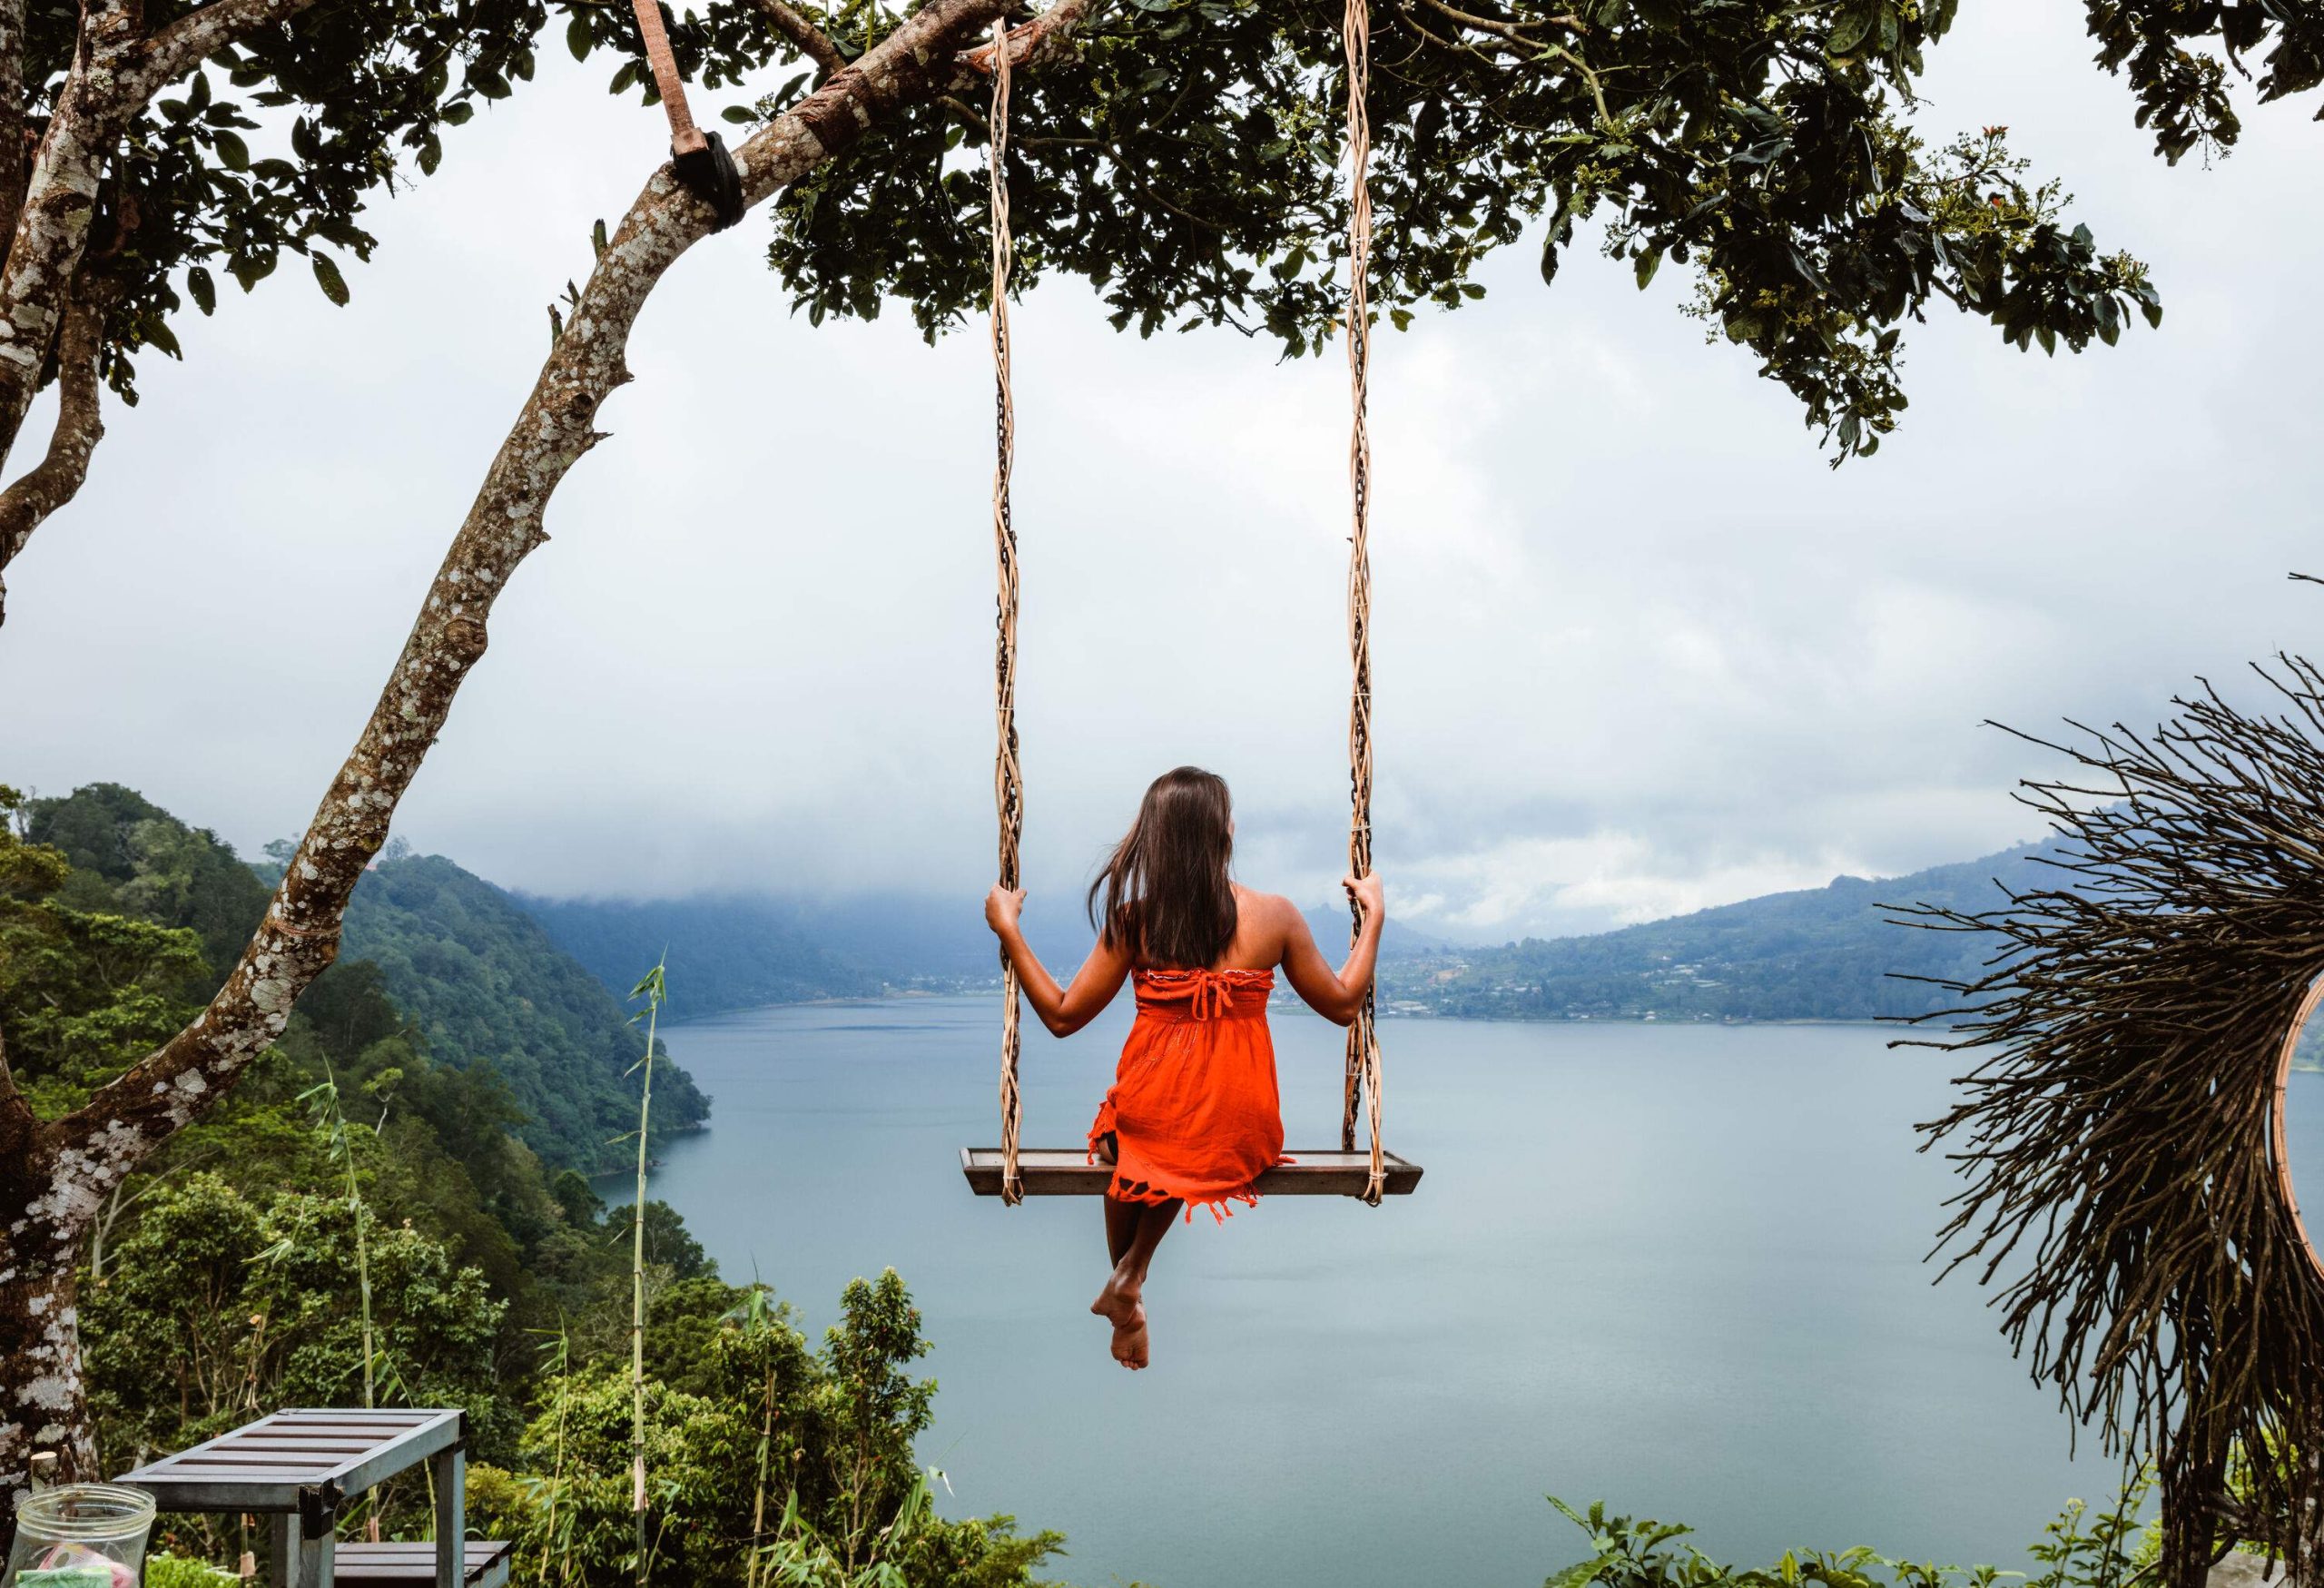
(1637, 650)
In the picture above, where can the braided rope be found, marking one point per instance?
(1363, 1035)
(1007, 784)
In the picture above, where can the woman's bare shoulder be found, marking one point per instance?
(1272, 909)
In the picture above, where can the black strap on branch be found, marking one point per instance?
(700, 159)
(711, 174)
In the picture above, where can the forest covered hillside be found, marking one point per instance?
(483, 983)
(1833, 953)
(356, 1219)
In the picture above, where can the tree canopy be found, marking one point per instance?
(1185, 162)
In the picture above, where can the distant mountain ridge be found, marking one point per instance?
(724, 954)
(1832, 953)
(729, 952)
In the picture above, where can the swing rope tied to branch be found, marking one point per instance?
(1008, 776)
(1363, 1034)
(699, 159)
(1362, 1077)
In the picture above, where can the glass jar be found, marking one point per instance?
(80, 1535)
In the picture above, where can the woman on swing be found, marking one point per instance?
(1192, 1120)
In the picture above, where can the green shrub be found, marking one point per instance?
(177, 1572)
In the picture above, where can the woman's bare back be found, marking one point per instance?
(1270, 933)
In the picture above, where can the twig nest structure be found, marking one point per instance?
(2122, 1133)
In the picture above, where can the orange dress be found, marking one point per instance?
(1193, 1109)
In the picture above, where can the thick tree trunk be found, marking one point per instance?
(55, 1176)
(41, 1405)
(16, 161)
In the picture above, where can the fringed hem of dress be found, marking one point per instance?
(1152, 1194)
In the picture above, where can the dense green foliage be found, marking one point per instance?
(129, 855)
(229, 1306)
(1186, 164)
(486, 984)
(221, 1280)
(1823, 953)
(757, 1447)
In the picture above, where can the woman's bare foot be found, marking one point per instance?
(1131, 1347)
(1122, 1305)
(1118, 1299)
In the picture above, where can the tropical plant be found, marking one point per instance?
(651, 989)
(2077, 1550)
(836, 1443)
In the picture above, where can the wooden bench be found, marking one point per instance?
(300, 1468)
(411, 1566)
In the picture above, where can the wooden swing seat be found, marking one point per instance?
(1066, 1172)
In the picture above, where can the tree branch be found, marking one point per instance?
(178, 48)
(57, 477)
(813, 41)
(299, 937)
(1040, 39)
(116, 72)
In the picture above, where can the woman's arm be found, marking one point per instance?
(1337, 997)
(1063, 1010)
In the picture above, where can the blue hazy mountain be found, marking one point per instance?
(1833, 953)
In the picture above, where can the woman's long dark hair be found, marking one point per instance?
(1168, 900)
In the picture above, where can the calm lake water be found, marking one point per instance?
(1676, 1268)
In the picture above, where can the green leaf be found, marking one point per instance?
(459, 111)
(1854, 26)
(597, 239)
(251, 269)
(328, 278)
(233, 152)
(1576, 1574)
(577, 36)
(738, 115)
(204, 291)
(1647, 263)
(487, 82)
